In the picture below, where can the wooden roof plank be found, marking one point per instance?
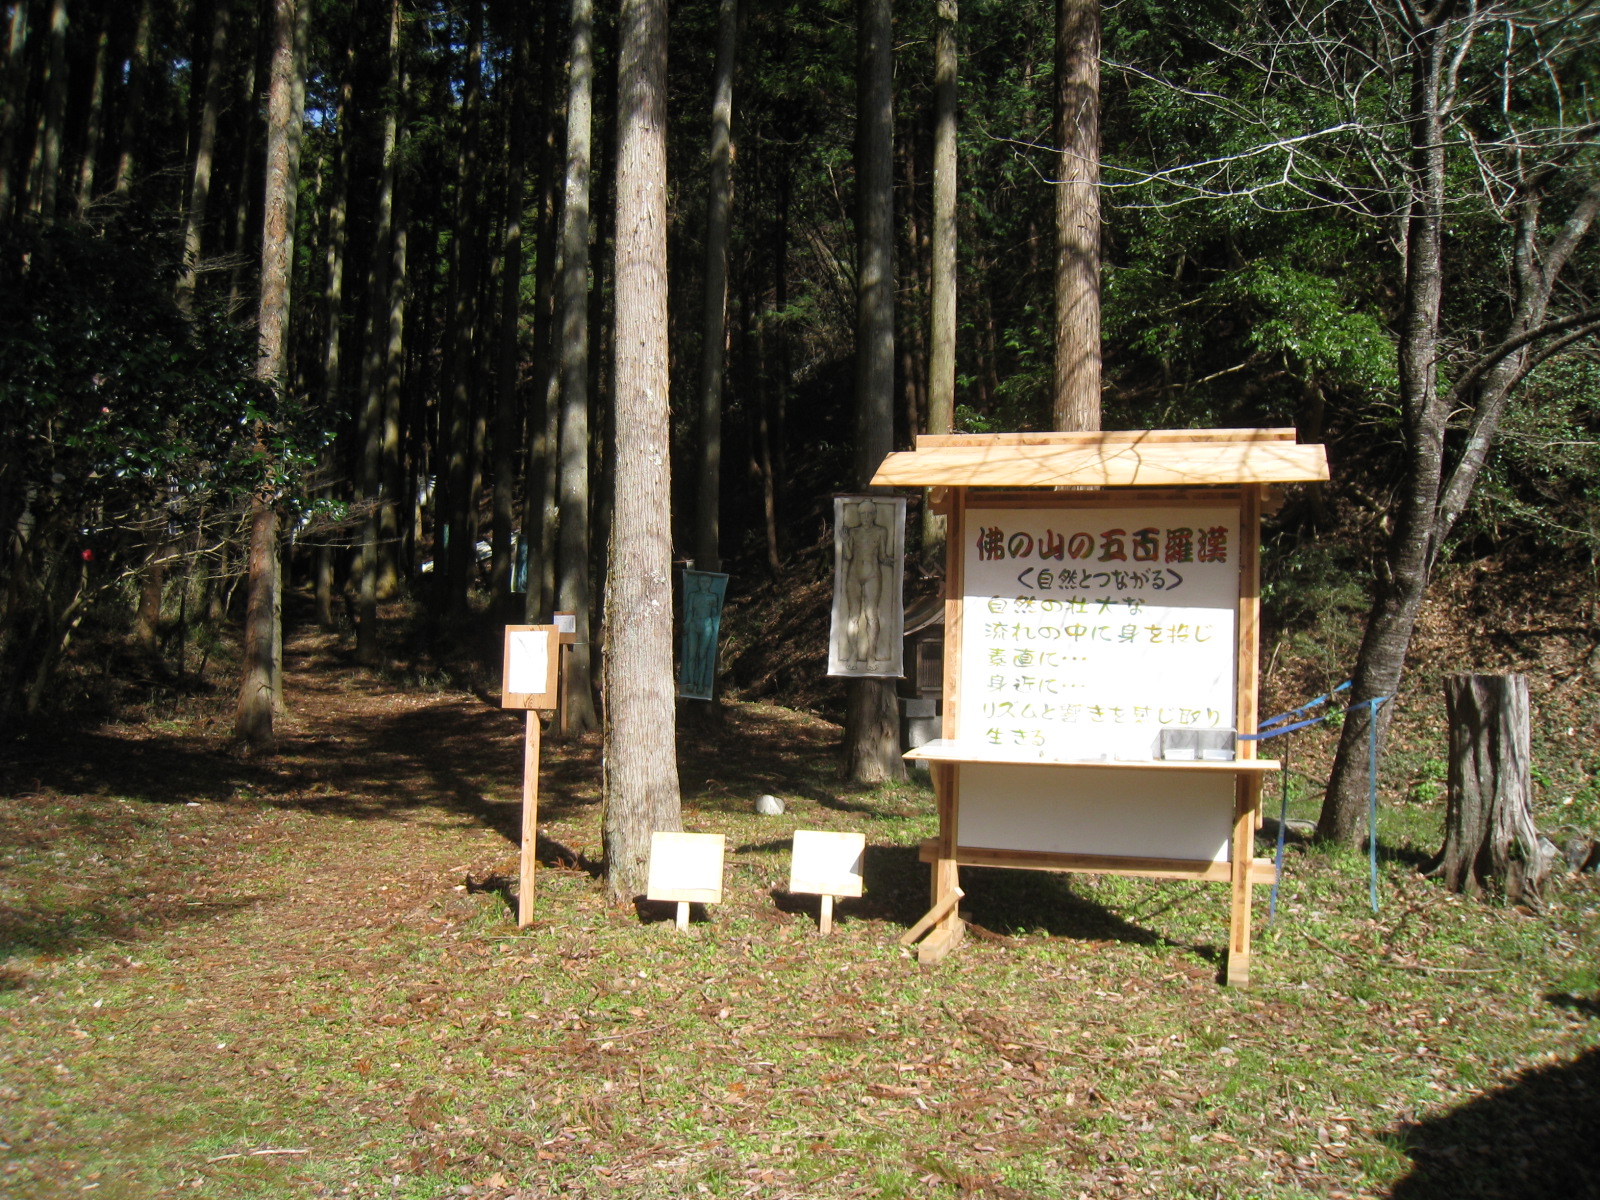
(929, 441)
(1109, 464)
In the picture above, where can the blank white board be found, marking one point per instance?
(685, 866)
(1085, 810)
(826, 863)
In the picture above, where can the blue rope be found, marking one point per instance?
(1304, 708)
(1266, 733)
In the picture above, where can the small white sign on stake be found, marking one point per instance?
(829, 865)
(685, 868)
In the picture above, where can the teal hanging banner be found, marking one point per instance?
(703, 593)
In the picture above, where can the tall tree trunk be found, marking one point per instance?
(246, 140)
(374, 363)
(1430, 503)
(1077, 349)
(44, 174)
(392, 484)
(1399, 596)
(194, 214)
(11, 104)
(719, 210)
(1490, 838)
(133, 100)
(573, 592)
(641, 768)
(333, 305)
(543, 434)
(94, 122)
(942, 353)
(507, 375)
(260, 681)
(455, 503)
(872, 711)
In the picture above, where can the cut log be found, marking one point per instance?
(1490, 843)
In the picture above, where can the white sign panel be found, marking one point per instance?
(685, 867)
(827, 864)
(1086, 631)
(1106, 810)
(527, 662)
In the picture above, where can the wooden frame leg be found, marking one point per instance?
(530, 820)
(948, 928)
(1247, 801)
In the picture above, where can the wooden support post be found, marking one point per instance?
(682, 920)
(1248, 800)
(1247, 791)
(825, 917)
(530, 819)
(946, 876)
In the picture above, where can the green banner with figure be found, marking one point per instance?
(703, 593)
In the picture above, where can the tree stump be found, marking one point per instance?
(1490, 842)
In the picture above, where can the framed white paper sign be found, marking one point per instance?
(528, 674)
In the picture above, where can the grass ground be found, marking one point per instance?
(303, 977)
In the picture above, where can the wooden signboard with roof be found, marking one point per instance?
(1101, 638)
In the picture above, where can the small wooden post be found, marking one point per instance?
(528, 681)
(682, 918)
(825, 920)
(567, 636)
(530, 819)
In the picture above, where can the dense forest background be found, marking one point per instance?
(1265, 189)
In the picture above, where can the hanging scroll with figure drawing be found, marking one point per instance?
(869, 539)
(703, 593)
(1087, 632)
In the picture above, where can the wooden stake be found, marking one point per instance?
(564, 675)
(530, 819)
(825, 921)
(683, 914)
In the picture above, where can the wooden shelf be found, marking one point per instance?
(1262, 870)
(946, 751)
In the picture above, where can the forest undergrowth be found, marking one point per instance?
(302, 976)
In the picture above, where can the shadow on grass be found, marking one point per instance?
(1589, 1006)
(1022, 903)
(1407, 855)
(1536, 1138)
(41, 929)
